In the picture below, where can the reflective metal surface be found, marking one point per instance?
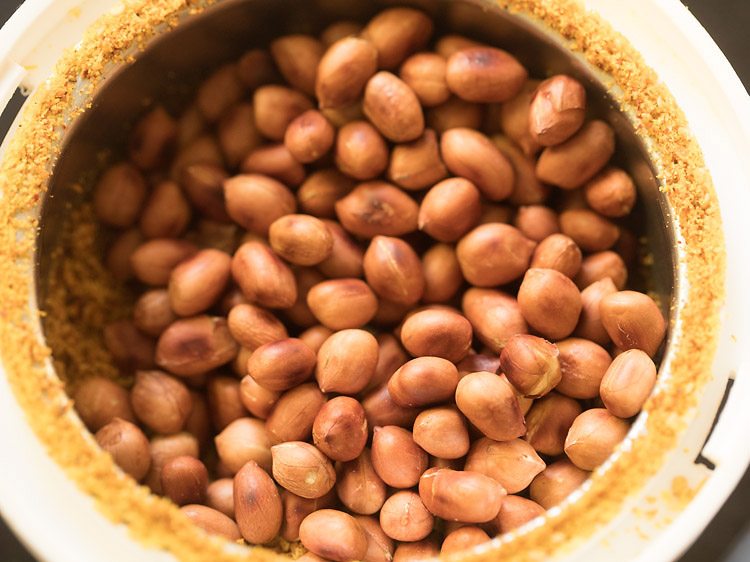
(173, 65)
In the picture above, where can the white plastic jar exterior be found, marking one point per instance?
(59, 523)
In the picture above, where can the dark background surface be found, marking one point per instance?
(727, 538)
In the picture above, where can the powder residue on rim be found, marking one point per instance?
(24, 175)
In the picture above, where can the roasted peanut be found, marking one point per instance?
(475, 362)
(463, 539)
(558, 252)
(263, 277)
(294, 413)
(450, 209)
(393, 270)
(359, 487)
(417, 164)
(527, 189)
(494, 315)
(128, 446)
(197, 283)
(202, 150)
(423, 381)
(589, 323)
(315, 336)
(457, 495)
(301, 239)
(442, 432)
(484, 75)
(318, 194)
(342, 303)
(244, 440)
(557, 110)
(344, 70)
(164, 448)
(379, 545)
(438, 332)
(297, 58)
(390, 357)
(253, 326)
(494, 254)
(309, 136)
(611, 193)
(119, 195)
(550, 302)
(377, 207)
(160, 402)
(225, 405)
(490, 403)
(193, 346)
(152, 139)
(166, 213)
(536, 222)
(237, 133)
(515, 512)
(513, 464)
(531, 365)
(405, 518)
(556, 482)
(397, 459)
(425, 74)
(117, 259)
(589, 230)
(455, 113)
(276, 107)
(152, 313)
(381, 410)
(296, 508)
(257, 504)
(361, 151)
(184, 480)
(302, 469)
(153, 261)
(633, 321)
(628, 382)
(334, 535)
(393, 108)
(583, 364)
(442, 274)
(514, 118)
(418, 551)
(346, 256)
(220, 496)
(340, 429)
(274, 160)
(219, 91)
(212, 521)
(346, 361)
(129, 348)
(397, 33)
(602, 265)
(593, 436)
(282, 364)
(259, 401)
(204, 187)
(255, 201)
(548, 422)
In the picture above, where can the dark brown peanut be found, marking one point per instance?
(484, 75)
(340, 429)
(361, 151)
(333, 535)
(342, 303)
(276, 107)
(583, 364)
(593, 436)
(318, 194)
(531, 365)
(193, 346)
(475, 362)
(440, 332)
(128, 446)
(346, 361)
(257, 504)
(256, 68)
(442, 432)
(557, 110)
(397, 459)
(633, 321)
(299, 313)
(611, 193)
(282, 364)
(405, 518)
(198, 282)
(550, 302)
(494, 315)
(513, 464)
(344, 70)
(590, 323)
(241, 441)
(442, 274)
(393, 270)
(302, 469)
(309, 137)
(375, 208)
(423, 381)
(397, 33)
(359, 487)
(184, 480)
(294, 413)
(255, 201)
(628, 382)
(263, 277)
(450, 209)
(297, 58)
(489, 402)
(393, 108)
(494, 254)
(457, 495)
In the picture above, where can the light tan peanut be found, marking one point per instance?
(197, 283)
(423, 381)
(99, 401)
(417, 165)
(602, 265)
(494, 254)
(393, 108)
(301, 239)
(119, 195)
(592, 232)
(548, 422)
(129, 348)
(405, 518)
(442, 274)
(494, 315)
(346, 361)
(359, 487)
(425, 74)
(489, 402)
(515, 512)
(628, 382)
(225, 405)
(390, 357)
(463, 539)
(454, 113)
(531, 365)
(393, 270)
(377, 207)
(153, 261)
(255, 68)
(583, 364)
(344, 70)
(397, 459)
(244, 440)
(589, 323)
(438, 332)
(513, 464)
(160, 402)
(193, 346)
(346, 256)
(164, 448)
(282, 364)
(457, 495)
(339, 304)
(309, 136)
(593, 436)
(450, 209)
(184, 480)
(340, 429)
(574, 162)
(257, 504)
(296, 508)
(418, 551)
(257, 400)
(339, 30)
(361, 152)
(442, 432)
(318, 194)
(293, 415)
(558, 252)
(557, 110)
(397, 33)
(302, 469)
(212, 521)
(152, 313)
(220, 496)
(475, 362)
(237, 133)
(276, 161)
(550, 302)
(470, 154)
(484, 75)
(527, 189)
(633, 321)
(204, 187)
(334, 535)
(276, 107)
(152, 139)
(202, 150)
(117, 258)
(611, 193)
(263, 277)
(128, 446)
(536, 222)
(315, 336)
(297, 58)
(166, 213)
(381, 410)
(253, 326)
(379, 545)
(219, 92)
(255, 201)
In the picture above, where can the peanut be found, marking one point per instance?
(457, 495)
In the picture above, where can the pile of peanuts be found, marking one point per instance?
(382, 296)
